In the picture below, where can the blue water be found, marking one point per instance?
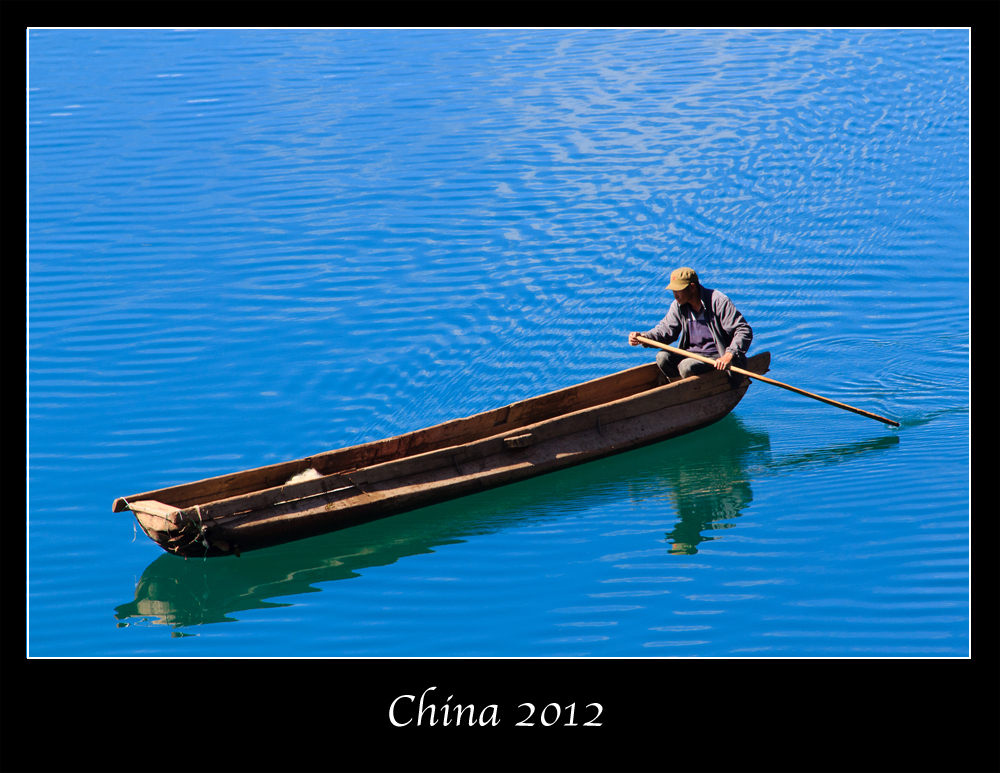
(250, 246)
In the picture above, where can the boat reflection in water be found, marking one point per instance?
(705, 476)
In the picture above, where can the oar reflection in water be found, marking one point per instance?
(707, 502)
(708, 480)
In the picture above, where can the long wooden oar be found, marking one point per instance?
(766, 380)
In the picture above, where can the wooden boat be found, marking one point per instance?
(257, 508)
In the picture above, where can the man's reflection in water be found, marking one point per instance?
(702, 512)
(707, 479)
(709, 492)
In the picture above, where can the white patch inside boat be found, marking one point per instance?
(309, 474)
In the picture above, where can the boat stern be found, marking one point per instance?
(177, 533)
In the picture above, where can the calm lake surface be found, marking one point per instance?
(251, 246)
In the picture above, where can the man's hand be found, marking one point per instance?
(723, 362)
(633, 339)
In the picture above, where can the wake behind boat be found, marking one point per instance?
(229, 514)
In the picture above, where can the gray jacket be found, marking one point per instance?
(729, 329)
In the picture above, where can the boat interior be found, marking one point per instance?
(342, 462)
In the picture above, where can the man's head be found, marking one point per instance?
(685, 285)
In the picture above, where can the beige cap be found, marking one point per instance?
(681, 278)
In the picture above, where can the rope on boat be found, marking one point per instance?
(201, 531)
(135, 519)
(200, 524)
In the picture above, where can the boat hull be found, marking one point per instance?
(505, 453)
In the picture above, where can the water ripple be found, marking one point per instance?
(247, 246)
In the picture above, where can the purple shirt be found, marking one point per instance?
(700, 334)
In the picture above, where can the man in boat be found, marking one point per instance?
(701, 320)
